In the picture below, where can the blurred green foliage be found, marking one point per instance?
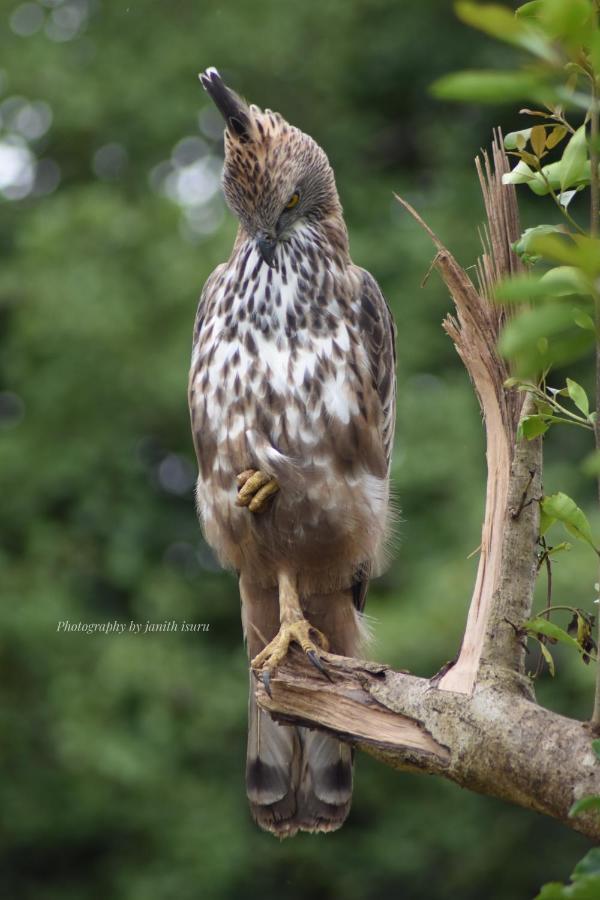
(123, 754)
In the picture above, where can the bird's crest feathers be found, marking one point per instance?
(233, 109)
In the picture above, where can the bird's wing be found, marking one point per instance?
(204, 312)
(205, 298)
(378, 332)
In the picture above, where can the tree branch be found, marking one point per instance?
(496, 741)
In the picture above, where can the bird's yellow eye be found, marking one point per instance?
(293, 201)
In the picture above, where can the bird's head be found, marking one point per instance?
(275, 177)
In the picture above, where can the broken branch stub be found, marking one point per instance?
(474, 330)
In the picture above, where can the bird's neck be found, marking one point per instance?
(327, 237)
(335, 234)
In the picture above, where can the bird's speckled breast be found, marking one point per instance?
(280, 382)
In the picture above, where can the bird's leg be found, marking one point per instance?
(254, 489)
(293, 628)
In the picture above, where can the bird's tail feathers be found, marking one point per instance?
(272, 771)
(296, 779)
(325, 791)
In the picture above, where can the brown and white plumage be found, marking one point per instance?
(293, 375)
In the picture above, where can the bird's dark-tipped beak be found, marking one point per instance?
(267, 247)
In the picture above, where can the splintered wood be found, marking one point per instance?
(474, 330)
(336, 704)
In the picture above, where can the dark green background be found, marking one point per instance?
(123, 756)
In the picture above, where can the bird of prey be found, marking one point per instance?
(292, 401)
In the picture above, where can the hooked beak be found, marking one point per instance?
(267, 247)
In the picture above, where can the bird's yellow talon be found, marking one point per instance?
(258, 502)
(243, 477)
(298, 632)
(254, 489)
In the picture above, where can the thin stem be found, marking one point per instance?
(562, 121)
(549, 582)
(546, 612)
(545, 559)
(552, 115)
(550, 609)
(554, 402)
(563, 209)
(551, 401)
(578, 423)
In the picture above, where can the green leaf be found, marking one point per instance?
(498, 21)
(588, 250)
(521, 174)
(538, 139)
(530, 159)
(516, 140)
(556, 249)
(491, 86)
(569, 22)
(522, 247)
(531, 427)
(501, 23)
(596, 750)
(584, 320)
(563, 281)
(529, 10)
(578, 396)
(543, 321)
(576, 250)
(565, 197)
(592, 801)
(590, 864)
(556, 136)
(553, 891)
(587, 888)
(562, 508)
(572, 164)
(566, 348)
(543, 337)
(549, 178)
(546, 521)
(552, 631)
(549, 659)
(520, 289)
